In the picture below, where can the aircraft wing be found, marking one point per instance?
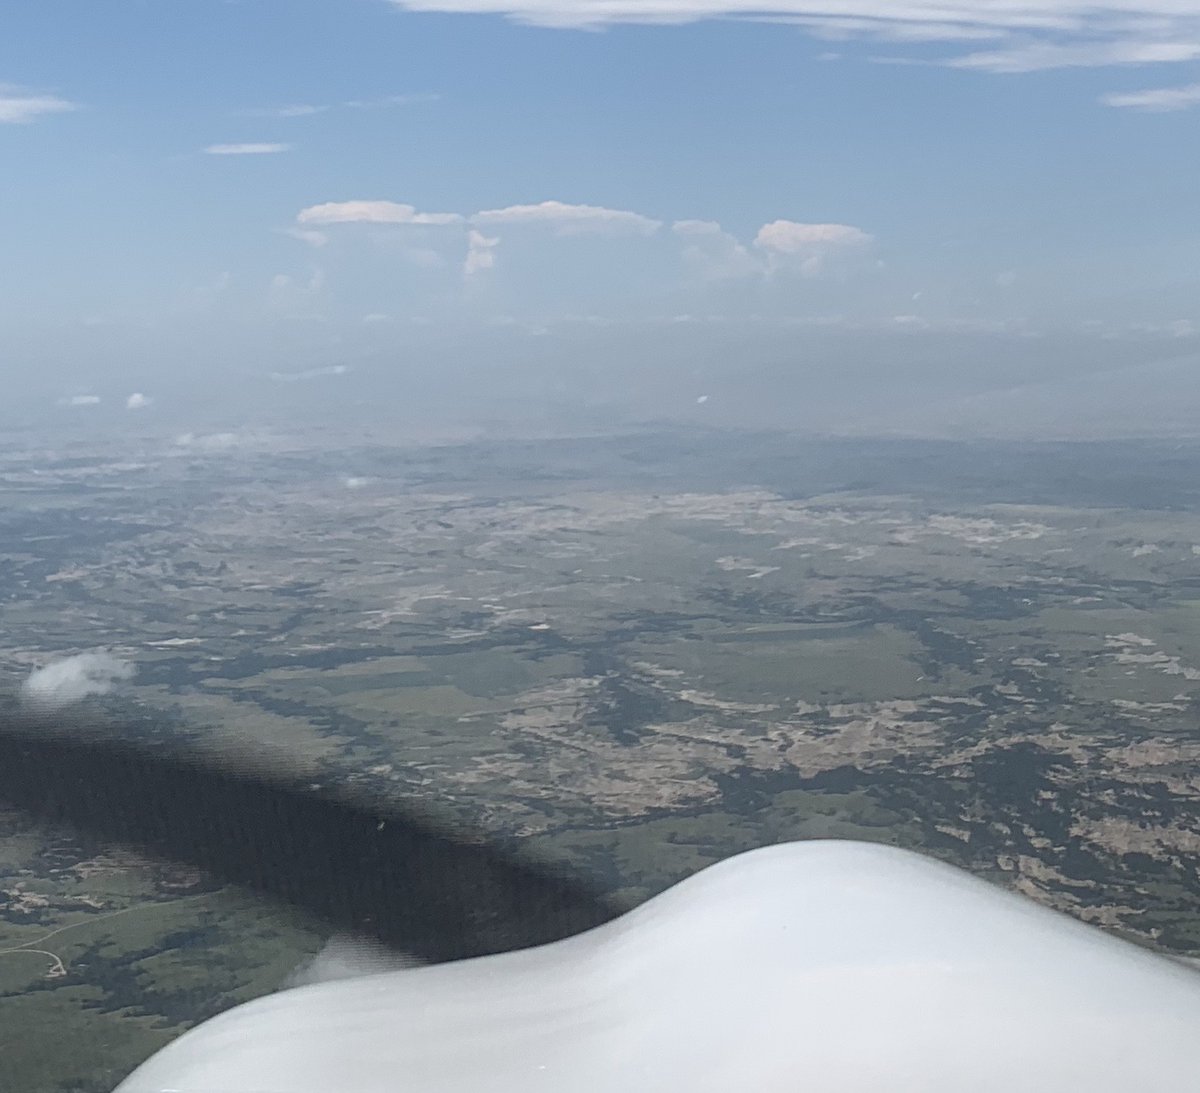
(819, 967)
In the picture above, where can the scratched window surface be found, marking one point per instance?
(641, 432)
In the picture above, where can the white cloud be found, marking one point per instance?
(1156, 100)
(833, 27)
(19, 107)
(260, 148)
(1039, 56)
(71, 680)
(371, 212)
(1044, 33)
(480, 253)
(807, 247)
(310, 236)
(790, 237)
(355, 482)
(706, 249)
(570, 219)
(293, 110)
(137, 401)
(306, 110)
(80, 400)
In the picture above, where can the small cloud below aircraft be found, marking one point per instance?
(65, 682)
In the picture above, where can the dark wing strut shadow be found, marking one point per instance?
(388, 872)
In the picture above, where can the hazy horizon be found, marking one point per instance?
(956, 220)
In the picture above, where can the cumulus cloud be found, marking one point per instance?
(561, 218)
(1155, 100)
(19, 107)
(807, 246)
(712, 253)
(71, 680)
(706, 249)
(568, 219)
(372, 212)
(252, 148)
(137, 401)
(480, 252)
(790, 237)
(1041, 33)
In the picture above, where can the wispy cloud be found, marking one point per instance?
(1038, 33)
(252, 148)
(310, 236)
(292, 110)
(18, 107)
(80, 400)
(384, 101)
(1041, 56)
(71, 680)
(307, 109)
(1155, 100)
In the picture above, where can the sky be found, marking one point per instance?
(199, 194)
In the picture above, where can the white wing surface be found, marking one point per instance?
(817, 967)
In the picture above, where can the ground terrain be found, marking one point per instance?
(642, 652)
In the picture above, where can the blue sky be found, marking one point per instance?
(316, 177)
